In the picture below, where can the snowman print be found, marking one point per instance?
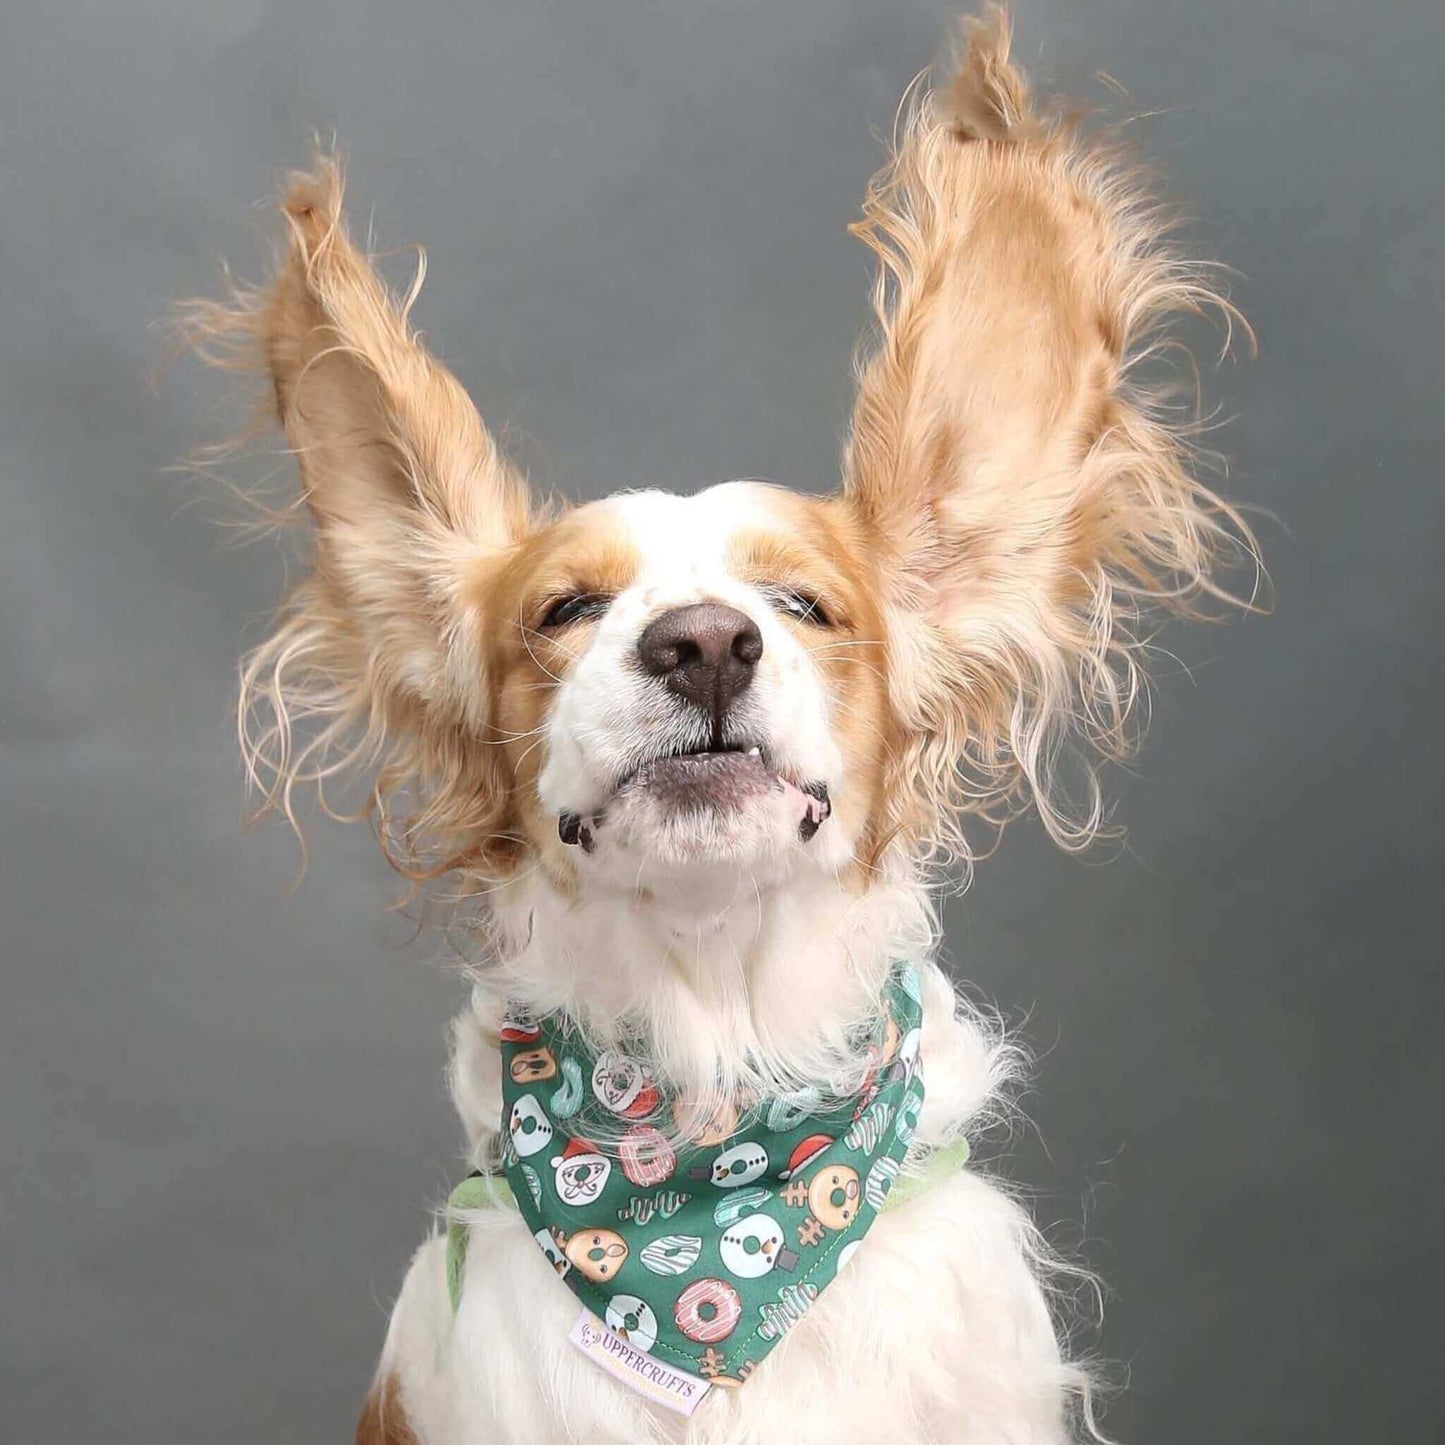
(551, 1249)
(908, 1052)
(754, 1246)
(734, 1167)
(632, 1319)
(528, 1128)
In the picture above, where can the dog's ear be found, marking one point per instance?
(1025, 491)
(404, 482)
(378, 651)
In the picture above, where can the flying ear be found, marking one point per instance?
(377, 653)
(1028, 496)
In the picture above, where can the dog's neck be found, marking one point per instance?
(724, 983)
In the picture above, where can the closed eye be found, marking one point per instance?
(577, 607)
(801, 606)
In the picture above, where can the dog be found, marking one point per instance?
(697, 762)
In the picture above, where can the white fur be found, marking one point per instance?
(936, 1331)
(609, 716)
(749, 967)
(1015, 494)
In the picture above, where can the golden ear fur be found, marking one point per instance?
(376, 657)
(1031, 495)
(1027, 492)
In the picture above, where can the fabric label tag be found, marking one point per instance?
(673, 1389)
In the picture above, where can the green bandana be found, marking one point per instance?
(703, 1256)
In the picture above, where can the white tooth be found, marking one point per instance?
(755, 752)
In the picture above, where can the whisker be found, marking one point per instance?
(536, 632)
(524, 630)
(849, 710)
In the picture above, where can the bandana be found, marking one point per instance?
(699, 1255)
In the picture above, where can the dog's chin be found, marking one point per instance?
(701, 812)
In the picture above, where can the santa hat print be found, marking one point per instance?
(806, 1150)
(576, 1149)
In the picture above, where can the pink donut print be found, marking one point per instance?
(708, 1311)
(646, 1156)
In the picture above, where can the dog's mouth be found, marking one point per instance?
(716, 779)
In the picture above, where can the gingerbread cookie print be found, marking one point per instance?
(832, 1198)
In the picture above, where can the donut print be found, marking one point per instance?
(530, 1066)
(534, 1185)
(891, 1039)
(529, 1128)
(719, 1221)
(908, 1050)
(787, 1111)
(755, 1245)
(880, 1181)
(906, 1125)
(622, 1085)
(868, 1129)
(552, 1251)
(732, 1206)
(567, 1097)
(646, 1156)
(706, 1130)
(671, 1253)
(597, 1253)
(911, 984)
(742, 1164)
(833, 1196)
(632, 1319)
(582, 1173)
(708, 1311)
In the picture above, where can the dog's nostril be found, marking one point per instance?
(748, 645)
(705, 652)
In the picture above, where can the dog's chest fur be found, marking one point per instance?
(939, 1318)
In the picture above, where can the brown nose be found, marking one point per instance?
(705, 653)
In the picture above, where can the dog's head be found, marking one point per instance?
(681, 683)
(654, 686)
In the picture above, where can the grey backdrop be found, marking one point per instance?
(223, 1102)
